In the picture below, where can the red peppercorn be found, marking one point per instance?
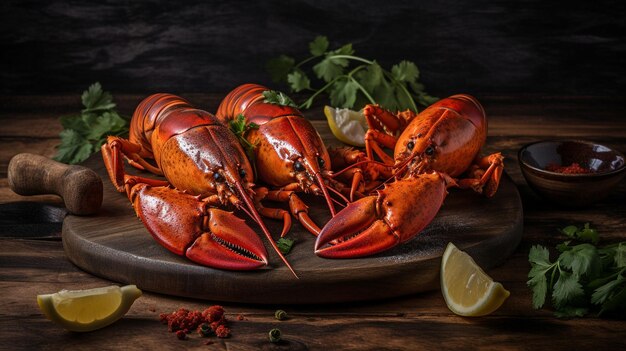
(205, 323)
(213, 313)
(222, 331)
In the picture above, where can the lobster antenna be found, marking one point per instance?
(340, 195)
(257, 218)
(401, 168)
(358, 164)
(320, 180)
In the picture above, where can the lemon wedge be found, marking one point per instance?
(346, 125)
(467, 289)
(90, 309)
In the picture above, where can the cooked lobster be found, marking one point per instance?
(289, 154)
(205, 169)
(435, 150)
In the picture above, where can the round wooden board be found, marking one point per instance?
(114, 244)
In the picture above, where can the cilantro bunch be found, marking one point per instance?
(85, 133)
(583, 277)
(351, 86)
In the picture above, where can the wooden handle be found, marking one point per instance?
(80, 187)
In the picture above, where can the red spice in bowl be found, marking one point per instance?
(571, 173)
(574, 168)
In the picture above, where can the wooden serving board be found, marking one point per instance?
(114, 244)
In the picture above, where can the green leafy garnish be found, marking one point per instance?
(284, 245)
(583, 277)
(240, 128)
(85, 133)
(278, 98)
(351, 86)
(582, 234)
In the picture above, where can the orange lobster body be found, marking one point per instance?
(205, 168)
(456, 129)
(188, 145)
(289, 153)
(432, 151)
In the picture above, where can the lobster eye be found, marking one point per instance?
(321, 161)
(410, 145)
(298, 166)
(218, 177)
(430, 150)
(242, 173)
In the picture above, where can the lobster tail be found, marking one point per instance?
(148, 115)
(238, 100)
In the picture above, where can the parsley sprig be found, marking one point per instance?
(85, 133)
(285, 245)
(583, 277)
(351, 86)
(278, 98)
(240, 128)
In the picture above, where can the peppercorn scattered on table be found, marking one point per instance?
(34, 262)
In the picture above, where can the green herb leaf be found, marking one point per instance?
(539, 258)
(318, 46)
(371, 76)
(298, 81)
(588, 234)
(586, 276)
(109, 123)
(284, 245)
(279, 67)
(581, 259)
(85, 133)
(570, 231)
(405, 71)
(566, 289)
(343, 93)
(604, 292)
(570, 312)
(240, 128)
(74, 147)
(277, 98)
(348, 86)
(329, 68)
(94, 99)
(585, 234)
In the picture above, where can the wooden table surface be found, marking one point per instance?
(422, 321)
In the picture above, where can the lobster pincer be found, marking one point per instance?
(205, 170)
(376, 223)
(192, 228)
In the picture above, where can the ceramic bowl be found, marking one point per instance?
(606, 166)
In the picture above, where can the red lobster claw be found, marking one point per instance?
(376, 223)
(185, 226)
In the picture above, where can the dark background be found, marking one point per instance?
(480, 47)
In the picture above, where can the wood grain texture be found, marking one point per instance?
(114, 244)
(474, 47)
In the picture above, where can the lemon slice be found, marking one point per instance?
(347, 125)
(467, 289)
(87, 310)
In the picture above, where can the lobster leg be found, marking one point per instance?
(297, 207)
(113, 153)
(352, 167)
(260, 193)
(383, 126)
(374, 224)
(484, 175)
(186, 225)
